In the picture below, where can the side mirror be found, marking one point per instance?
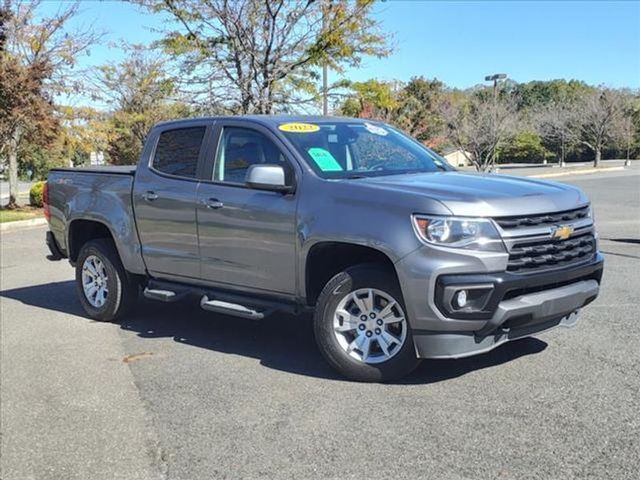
(267, 177)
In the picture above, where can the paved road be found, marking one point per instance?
(535, 169)
(182, 394)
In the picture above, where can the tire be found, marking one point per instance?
(121, 291)
(336, 347)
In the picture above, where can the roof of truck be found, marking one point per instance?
(272, 119)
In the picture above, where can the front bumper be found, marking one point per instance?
(503, 286)
(517, 306)
(514, 318)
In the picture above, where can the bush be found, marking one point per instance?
(35, 194)
(525, 147)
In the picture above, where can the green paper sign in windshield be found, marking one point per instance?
(325, 161)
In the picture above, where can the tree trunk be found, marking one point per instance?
(13, 167)
(485, 165)
(245, 105)
(596, 162)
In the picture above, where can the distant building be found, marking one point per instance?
(456, 157)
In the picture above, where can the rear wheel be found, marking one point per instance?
(106, 292)
(361, 327)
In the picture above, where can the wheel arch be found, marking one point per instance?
(80, 231)
(327, 258)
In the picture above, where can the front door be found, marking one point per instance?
(164, 199)
(247, 237)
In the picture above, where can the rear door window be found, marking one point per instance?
(178, 150)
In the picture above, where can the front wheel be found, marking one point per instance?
(361, 327)
(106, 292)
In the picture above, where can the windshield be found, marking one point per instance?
(359, 149)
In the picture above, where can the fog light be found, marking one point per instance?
(461, 298)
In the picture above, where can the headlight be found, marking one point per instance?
(457, 232)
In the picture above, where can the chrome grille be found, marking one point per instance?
(508, 223)
(527, 256)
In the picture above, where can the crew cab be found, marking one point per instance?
(399, 256)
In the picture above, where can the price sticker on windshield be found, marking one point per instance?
(299, 127)
(324, 160)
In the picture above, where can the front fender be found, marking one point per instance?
(349, 213)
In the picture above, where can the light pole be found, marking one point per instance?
(494, 78)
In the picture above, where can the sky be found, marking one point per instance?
(457, 42)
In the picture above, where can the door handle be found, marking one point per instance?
(213, 203)
(150, 196)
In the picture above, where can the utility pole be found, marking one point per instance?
(326, 6)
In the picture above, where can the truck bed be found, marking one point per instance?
(97, 197)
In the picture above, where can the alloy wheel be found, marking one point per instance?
(370, 325)
(94, 281)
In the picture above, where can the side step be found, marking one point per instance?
(244, 305)
(227, 308)
(162, 295)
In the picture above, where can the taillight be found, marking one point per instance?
(45, 201)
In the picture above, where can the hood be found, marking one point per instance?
(486, 195)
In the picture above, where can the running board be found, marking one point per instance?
(162, 295)
(227, 308)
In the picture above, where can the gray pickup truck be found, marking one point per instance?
(400, 256)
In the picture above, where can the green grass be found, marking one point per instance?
(20, 213)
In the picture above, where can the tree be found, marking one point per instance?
(128, 130)
(524, 147)
(479, 124)
(557, 123)
(143, 93)
(85, 130)
(538, 93)
(626, 134)
(419, 108)
(254, 56)
(138, 83)
(413, 107)
(36, 56)
(26, 113)
(598, 116)
(371, 99)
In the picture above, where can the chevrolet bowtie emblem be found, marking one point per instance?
(562, 232)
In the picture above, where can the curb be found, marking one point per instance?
(20, 224)
(583, 171)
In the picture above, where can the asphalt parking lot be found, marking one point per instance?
(179, 393)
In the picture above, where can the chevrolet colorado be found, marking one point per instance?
(400, 256)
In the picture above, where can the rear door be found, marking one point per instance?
(247, 237)
(164, 198)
